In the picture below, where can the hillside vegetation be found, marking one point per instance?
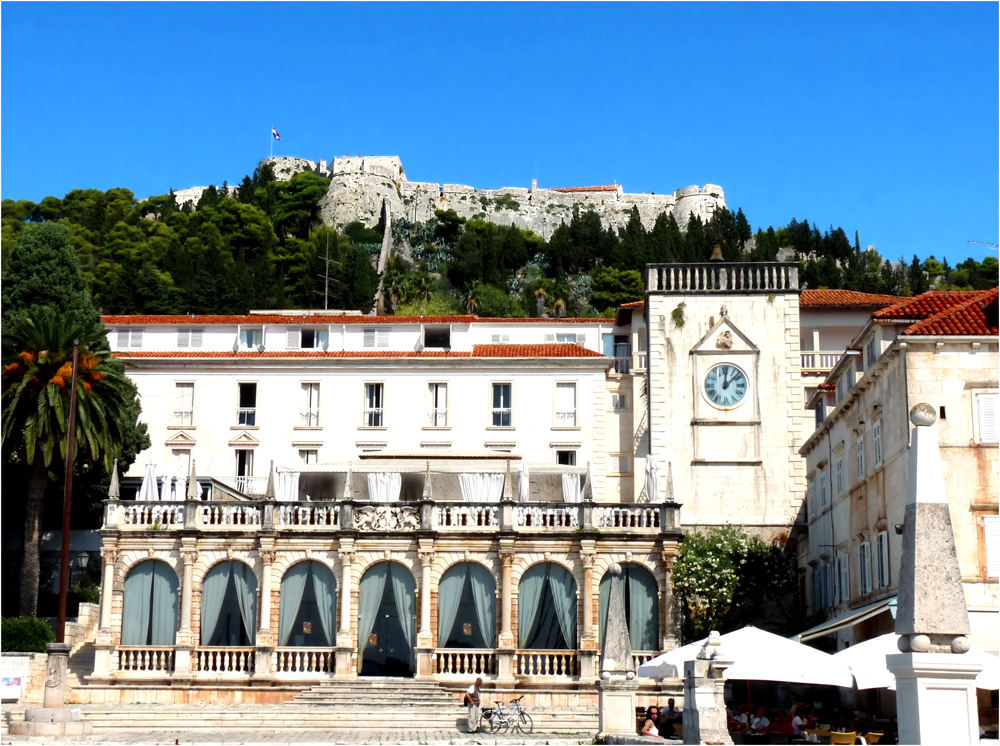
(262, 245)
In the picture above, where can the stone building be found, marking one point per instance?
(938, 348)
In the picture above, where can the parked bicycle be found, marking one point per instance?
(497, 719)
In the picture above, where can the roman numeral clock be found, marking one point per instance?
(726, 416)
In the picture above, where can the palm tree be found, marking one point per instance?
(37, 372)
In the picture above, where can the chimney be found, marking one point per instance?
(534, 184)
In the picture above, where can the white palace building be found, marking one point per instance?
(331, 496)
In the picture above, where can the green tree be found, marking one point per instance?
(37, 371)
(611, 287)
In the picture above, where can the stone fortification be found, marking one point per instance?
(360, 185)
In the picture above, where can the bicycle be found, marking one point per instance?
(496, 719)
(520, 719)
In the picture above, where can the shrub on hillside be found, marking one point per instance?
(25, 635)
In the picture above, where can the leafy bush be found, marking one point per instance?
(25, 635)
(88, 594)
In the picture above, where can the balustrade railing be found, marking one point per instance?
(467, 515)
(720, 277)
(229, 514)
(150, 515)
(304, 660)
(293, 515)
(642, 656)
(546, 663)
(548, 516)
(246, 485)
(465, 661)
(144, 659)
(820, 361)
(224, 660)
(631, 516)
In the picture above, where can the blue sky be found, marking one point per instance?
(880, 118)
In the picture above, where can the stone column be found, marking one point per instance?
(425, 639)
(345, 646)
(670, 609)
(265, 637)
(185, 636)
(506, 641)
(104, 644)
(588, 639)
(55, 674)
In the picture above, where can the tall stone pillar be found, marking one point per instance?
(588, 640)
(671, 612)
(704, 716)
(345, 645)
(507, 643)
(617, 686)
(932, 674)
(425, 638)
(104, 644)
(265, 635)
(185, 635)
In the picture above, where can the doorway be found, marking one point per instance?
(387, 621)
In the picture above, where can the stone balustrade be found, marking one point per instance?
(465, 661)
(643, 518)
(144, 659)
(466, 515)
(561, 663)
(723, 277)
(304, 661)
(306, 516)
(234, 660)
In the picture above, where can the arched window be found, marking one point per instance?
(229, 605)
(149, 608)
(546, 608)
(308, 606)
(467, 607)
(387, 622)
(642, 612)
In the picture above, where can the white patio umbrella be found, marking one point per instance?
(652, 492)
(758, 656)
(147, 489)
(522, 482)
(867, 662)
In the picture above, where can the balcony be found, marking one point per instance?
(820, 362)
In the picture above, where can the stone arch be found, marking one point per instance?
(307, 588)
(475, 601)
(387, 616)
(229, 603)
(548, 609)
(149, 603)
(642, 605)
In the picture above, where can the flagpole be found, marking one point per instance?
(270, 136)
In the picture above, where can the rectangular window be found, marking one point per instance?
(251, 339)
(437, 337)
(987, 405)
(246, 413)
(501, 339)
(244, 470)
(619, 401)
(565, 405)
(308, 456)
(570, 339)
(843, 579)
(309, 405)
(183, 410)
(882, 560)
(566, 458)
(820, 414)
(307, 339)
(181, 458)
(437, 405)
(839, 471)
(811, 501)
(608, 342)
(991, 540)
(376, 338)
(501, 405)
(870, 353)
(620, 463)
(877, 442)
(824, 495)
(189, 337)
(827, 585)
(865, 568)
(374, 405)
(129, 338)
(861, 459)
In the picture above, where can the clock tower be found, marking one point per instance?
(725, 393)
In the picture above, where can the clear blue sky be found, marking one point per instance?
(881, 118)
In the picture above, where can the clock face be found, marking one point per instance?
(725, 385)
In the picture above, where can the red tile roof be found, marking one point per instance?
(481, 351)
(633, 304)
(827, 298)
(925, 305)
(604, 188)
(975, 316)
(321, 320)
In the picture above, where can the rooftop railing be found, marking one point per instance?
(723, 277)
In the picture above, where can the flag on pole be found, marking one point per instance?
(275, 133)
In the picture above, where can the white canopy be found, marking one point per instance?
(867, 662)
(147, 490)
(652, 491)
(758, 656)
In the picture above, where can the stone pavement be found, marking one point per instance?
(310, 738)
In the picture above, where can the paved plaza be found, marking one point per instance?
(309, 738)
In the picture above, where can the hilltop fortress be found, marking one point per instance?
(366, 188)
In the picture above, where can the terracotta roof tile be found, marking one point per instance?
(925, 305)
(976, 316)
(845, 298)
(544, 350)
(603, 188)
(633, 304)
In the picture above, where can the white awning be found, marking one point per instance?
(848, 619)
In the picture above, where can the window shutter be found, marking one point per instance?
(865, 568)
(137, 342)
(882, 546)
(843, 580)
(383, 337)
(870, 352)
(991, 536)
(823, 496)
(183, 337)
(988, 418)
(861, 459)
(196, 337)
(322, 337)
(812, 498)
(294, 339)
(840, 477)
(123, 337)
(877, 442)
(550, 339)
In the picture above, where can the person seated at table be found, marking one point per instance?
(862, 722)
(669, 717)
(649, 727)
(741, 722)
(780, 724)
(801, 720)
(760, 722)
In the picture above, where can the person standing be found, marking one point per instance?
(473, 700)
